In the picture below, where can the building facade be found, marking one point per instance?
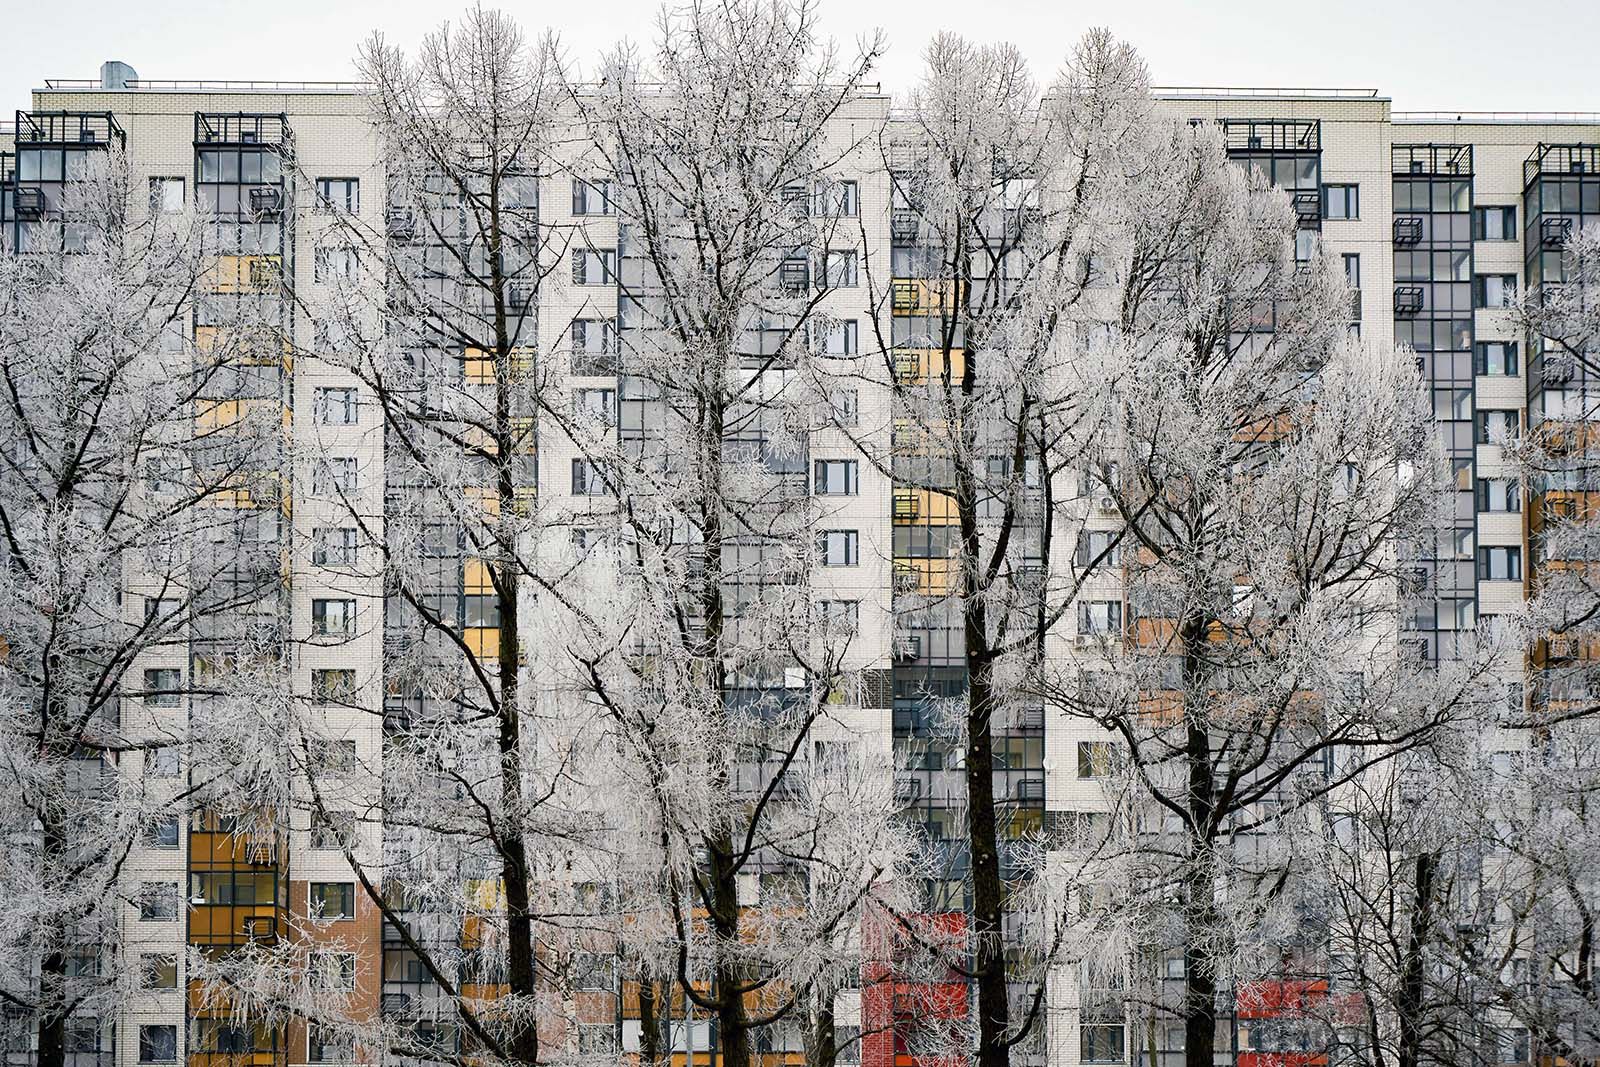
(1439, 221)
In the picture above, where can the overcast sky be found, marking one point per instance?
(1458, 55)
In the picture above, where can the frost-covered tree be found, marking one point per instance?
(1268, 472)
(137, 523)
(729, 159)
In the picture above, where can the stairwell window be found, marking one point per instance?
(595, 196)
(333, 900)
(162, 686)
(333, 618)
(839, 548)
(335, 407)
(1100, 617)
(839, 268)
(1499, 494)
(837, 477)
(158, 1044)
(341, 195)
(1499, 564)
(1096, 759)
(1497, 358)
(1494, 224)
(594, 266)
(1341, 201)
(334, 546)
(1497, 424)
(1494, 290)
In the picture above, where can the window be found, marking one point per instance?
(1494, 224)
(1341, 201)
(1499, 494)
(1497, 357)
(335, 474)
(837, 477)
(333, 546)
(594, 346)
(333, 686)
(1497, 423)
(339, 194)
(1352, 269)
(162, 834)
(846, 406)
(1515, 1045)
(839, 268)
(838, 198)
(1098, 548)
(839, 548)
(597, 404)
(326, 1045)
(594, 266)
(161, 762)
(1096, 759)
(333, 900)
(840, 616)
(332, 829)
(1100, 617)
(1499, 564)
(841, 339)
(1100, 1043)
(587, 478)
(158, 1044)
(162, 687)
(333, 970)
(335, 407)
(847, 1043)
(1494, 290)
(338, 263)
(158, 901)
(158, 972)
(333, 618)
(593, 197)
(166, 195)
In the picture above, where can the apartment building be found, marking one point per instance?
(1438, 220)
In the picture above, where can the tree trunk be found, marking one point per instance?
(988, 887)
(523, 1043)
(649, 1024)
(1410, 1002)
(1197, 886)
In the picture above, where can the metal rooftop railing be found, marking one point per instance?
(1265, 91)
(212, 85)
(1534, 117)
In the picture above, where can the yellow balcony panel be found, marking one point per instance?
(484, 498)
(476, 578)
(919, 366)
(927, 577)
(483, 641)
(243, 274)
(924, 296)
(477, 364)
(924, 507)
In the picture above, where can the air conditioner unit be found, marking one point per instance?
(1082, 641)
(266, 199)
(1106, 502)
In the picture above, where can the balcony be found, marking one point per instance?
(1271, 135)
(217, 129)
(68, 128)
(1431, 160)
(1561, 161)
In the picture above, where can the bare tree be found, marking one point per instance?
(138, 522)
